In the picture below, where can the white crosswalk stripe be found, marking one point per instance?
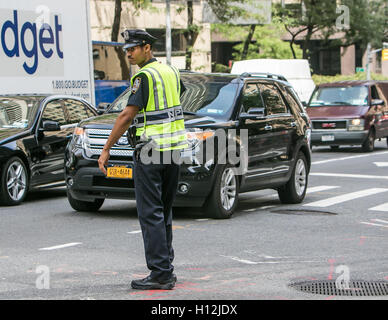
(385, 225)
(320, 188)
(381, 207)
(346, 175)
(381, 164)
(346, 197)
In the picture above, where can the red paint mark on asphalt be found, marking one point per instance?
(362, 240)
(331, 261)
(158, 294)
(148, 292)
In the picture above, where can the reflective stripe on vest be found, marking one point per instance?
(158, 117)
(162, 119)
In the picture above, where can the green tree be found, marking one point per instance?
(268, 45)
(138, 5)
(367, 22)
(223, 9)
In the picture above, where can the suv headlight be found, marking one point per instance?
(194, 138)
(356, 124)
(79, 136)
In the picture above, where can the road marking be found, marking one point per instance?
(346, 197)
(374, 224)
(61, 246)
(379, 220)
(266, 207)
(134, 232)
(345, 175)
(381, 164)
(351, 157)
(249, 261)
(320, 188)
(381, 207)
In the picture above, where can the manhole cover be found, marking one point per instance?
(353, 288)
(302, 212)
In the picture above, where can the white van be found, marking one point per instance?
(296, 71)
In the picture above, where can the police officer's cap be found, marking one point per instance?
(137, 37)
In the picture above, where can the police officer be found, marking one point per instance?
(154, 105)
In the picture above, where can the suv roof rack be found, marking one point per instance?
(263, 74)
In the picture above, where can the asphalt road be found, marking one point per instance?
(48, 251)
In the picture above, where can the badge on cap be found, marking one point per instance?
(136, 85)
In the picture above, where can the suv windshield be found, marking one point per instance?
(352, 96)
(18, 112)
(120, 103)
(214, 99)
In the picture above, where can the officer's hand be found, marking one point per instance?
(103, 160)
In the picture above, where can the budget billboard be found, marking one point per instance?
(45, 47)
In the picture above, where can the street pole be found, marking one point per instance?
(368, 60)
(168, 32)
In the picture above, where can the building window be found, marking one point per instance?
(178, 41)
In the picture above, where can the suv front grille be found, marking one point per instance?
(96, 139)
(329, 124)
(113, 183)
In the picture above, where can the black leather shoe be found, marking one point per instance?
(149, 283)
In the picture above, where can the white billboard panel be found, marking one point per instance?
(45, 47)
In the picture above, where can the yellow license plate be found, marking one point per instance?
(119, 172)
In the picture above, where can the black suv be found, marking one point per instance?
(253, 126)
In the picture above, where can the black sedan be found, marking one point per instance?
(34, 132)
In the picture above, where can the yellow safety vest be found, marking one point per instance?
(162, 119)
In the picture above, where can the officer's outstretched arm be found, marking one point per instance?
(122, 124)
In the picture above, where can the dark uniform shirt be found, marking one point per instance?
(140, 90)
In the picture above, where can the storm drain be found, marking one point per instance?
(353, 288)
(302, 212)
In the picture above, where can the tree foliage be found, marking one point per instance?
(361, 22)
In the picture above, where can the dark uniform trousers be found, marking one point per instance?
(155, 189)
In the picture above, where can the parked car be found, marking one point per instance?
(34, 131)
(276, 126)
(349, 113)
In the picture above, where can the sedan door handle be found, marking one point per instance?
(268, 128)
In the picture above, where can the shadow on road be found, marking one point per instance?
(42, 195)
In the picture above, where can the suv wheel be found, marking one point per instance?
(294, 190)
(369, 143)
(14, 182)
(87, 206)
(223, 199)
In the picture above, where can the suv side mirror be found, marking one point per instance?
(49, 125)
(377, 102)
(253, 114)
(102, 107)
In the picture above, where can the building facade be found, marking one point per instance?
(153, 20)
